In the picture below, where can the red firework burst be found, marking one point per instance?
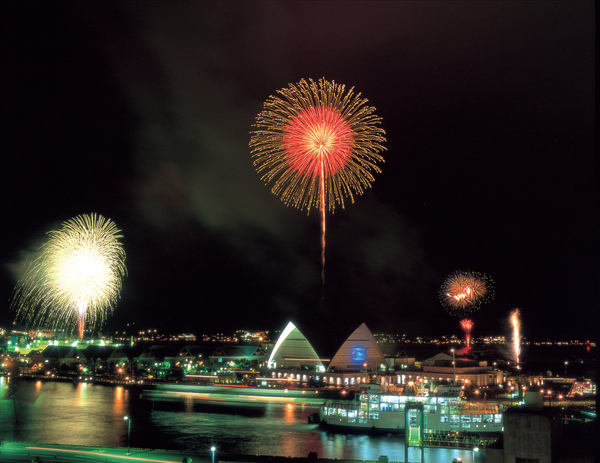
(318, 144)
(467, 325)
(318, 141)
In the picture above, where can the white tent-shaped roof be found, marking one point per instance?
(358, 350)
(293, 350)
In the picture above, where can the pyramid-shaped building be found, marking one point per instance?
(360, 351)
(293, 350)
(331, 357)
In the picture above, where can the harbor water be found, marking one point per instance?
(93, 415)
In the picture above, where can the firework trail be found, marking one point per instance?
(515, 321)
(319, 145)
(467, 325)
(464, 292)
(76, 278)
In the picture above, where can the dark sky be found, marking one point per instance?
(142, 112)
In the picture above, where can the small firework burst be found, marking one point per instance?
(464, 292)
(467, 326)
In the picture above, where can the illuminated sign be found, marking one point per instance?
(358, 355)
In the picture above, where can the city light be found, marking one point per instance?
(126, 418)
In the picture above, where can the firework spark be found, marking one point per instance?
(77, 277)
(515, 321)
(464, 292)
(318, 144)
(467, 325)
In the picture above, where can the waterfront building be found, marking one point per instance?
(161, 355)
(57, 356)
(30, 360)
(400, 361)
(294, 350)
(336, 358)
(125, 357)
(96, 357)
(359, 352)
(236, 355)
(341, 358)
(194, 359)
(443, 367)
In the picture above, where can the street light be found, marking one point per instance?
(475, 450)
(454, 368)
(212, 449)
(126, 418)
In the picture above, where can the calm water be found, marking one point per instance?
(92, 414)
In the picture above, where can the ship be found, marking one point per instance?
(443, 412)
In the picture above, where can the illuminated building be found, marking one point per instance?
(360, 351)
(61, 355)
(477, 372)
(306, 359)
(237, 354)
(293, 350)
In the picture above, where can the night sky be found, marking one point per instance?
(142, 112)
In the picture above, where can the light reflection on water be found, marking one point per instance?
(92, 414)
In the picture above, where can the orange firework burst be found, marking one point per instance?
(318, 145)
(464, 292)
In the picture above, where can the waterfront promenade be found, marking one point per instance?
(28, 452)
(20, 452)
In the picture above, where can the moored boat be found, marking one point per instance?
(443, 412)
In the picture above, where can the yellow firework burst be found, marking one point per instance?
(77, 277)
